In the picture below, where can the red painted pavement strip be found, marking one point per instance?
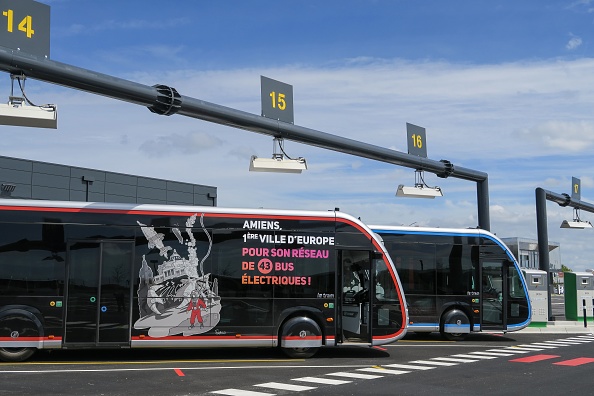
(575, 362)
(179, 373)
(535, 358)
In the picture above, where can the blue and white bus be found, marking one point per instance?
(457, 281)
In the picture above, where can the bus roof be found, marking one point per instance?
(433, 230)
(166, 208)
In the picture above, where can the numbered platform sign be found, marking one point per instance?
(277, 100)
(25, 26)
(417, 140)
(576, 189)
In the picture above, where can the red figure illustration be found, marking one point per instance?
(196, 304)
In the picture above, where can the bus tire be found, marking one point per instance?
(16, 354)
(455, 317)
(300, 330)
(18, 323)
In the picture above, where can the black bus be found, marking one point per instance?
(99, 275)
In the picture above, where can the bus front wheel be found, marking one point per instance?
(454, 325)
(300, 337)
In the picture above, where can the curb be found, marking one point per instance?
(560, 327)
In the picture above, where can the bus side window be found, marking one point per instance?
(385, 288)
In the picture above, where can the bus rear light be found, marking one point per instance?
(50, 337)
(237, 335)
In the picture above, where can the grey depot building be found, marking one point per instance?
(26, 179)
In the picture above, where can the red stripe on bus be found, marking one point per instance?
(297, 338)
(387, 336)
(198, 338)
(19, 339)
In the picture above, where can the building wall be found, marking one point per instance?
(526, 252)
(42, 180)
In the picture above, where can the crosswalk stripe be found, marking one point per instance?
(571, 342)
(530, 347)
(557, 343)
(455, 360)
(511, 350)
(475, 356)
(355, 375)
(239, 392)
(573, 339)
(288, 387)
(543, 345)
(434, 363)
(381, 370)
(496, 354)
(325, 381)
(409, 366)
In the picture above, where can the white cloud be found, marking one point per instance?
(575, 136)
(180, 144)
(573, 43)
(115, 25)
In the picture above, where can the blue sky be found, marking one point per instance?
(501, 87)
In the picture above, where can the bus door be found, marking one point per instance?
(355, 305)
(494, 291)
(98, 293)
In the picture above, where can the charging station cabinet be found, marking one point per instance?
(579, 293)
(536, 280)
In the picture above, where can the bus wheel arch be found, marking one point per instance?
(19, 321)
(300, 336)
(454, 324)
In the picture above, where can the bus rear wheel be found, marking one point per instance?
(15, 324)
(301, 337)
(16, 354)
(454, 318)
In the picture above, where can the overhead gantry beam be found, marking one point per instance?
(165, 100)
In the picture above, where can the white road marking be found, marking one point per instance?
(383, 371)
(318, 380)
(475, 356)
(543, 345)
(409, 366)
(355, 375)
(239, 392)
(495, 354)
(455, 360)
(434, 363)
(288, 387)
